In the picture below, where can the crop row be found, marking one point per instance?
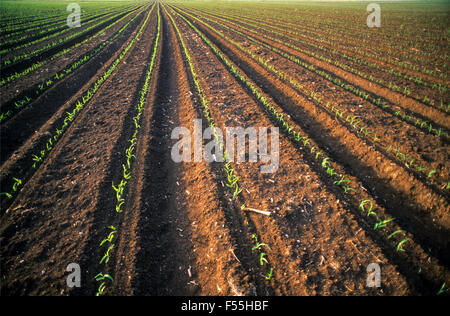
(385, 227)
(68, 119)
(333, 42)
(395, 110)
(344, 115)
(232, 179)
(39, 64)
(20, 104)
(428, 100)
(127, 166)
(60, 41)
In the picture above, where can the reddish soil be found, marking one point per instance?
(333, 40)
(398, 100)
(181, 232)
(23, 64)
(304, 113)
(252, 117)
(29, 82)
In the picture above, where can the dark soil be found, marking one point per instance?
(181, 232)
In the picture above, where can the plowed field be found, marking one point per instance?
(87, 171)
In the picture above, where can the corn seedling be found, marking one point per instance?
(443, 289)
(347, 189)
(362, 206)
(325, 163)
(341, 181)
(17, 183)
(382, 224)
(431, 173)
(101, 289)
(400, 244)
(259, 245)
(269, 276)
(126, 173)
(396, 233)
(102, 277)
(8, 196)
(106, 257)
(110, 236)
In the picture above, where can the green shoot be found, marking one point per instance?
(16, 185)
(382, 224)
(106, 256)
(109, 239)
(431, 173)
(102, 277)
(262, 259)
(325, 163)
(269, 276)
(341, 181)
(101, 288)
(259, 245)
(400, 244)
(126, 174)
(119, 207)
(443, 289)
(363, 203)
(8, 196)
(237, 192)
(395, 233)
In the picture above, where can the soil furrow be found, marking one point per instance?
(19, 163)
(52, 66)
(22, 65)
(408, 104)
(296, 251)
(57, 218)
(358, 159)
(172, 208)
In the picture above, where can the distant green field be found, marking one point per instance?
(18, 9)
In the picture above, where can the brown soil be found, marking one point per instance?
(13, 90)
(393, 98)
(25, 63)
(60, 214)
(181, 232)
(299, 246)
(336, 42)
(381, 191)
